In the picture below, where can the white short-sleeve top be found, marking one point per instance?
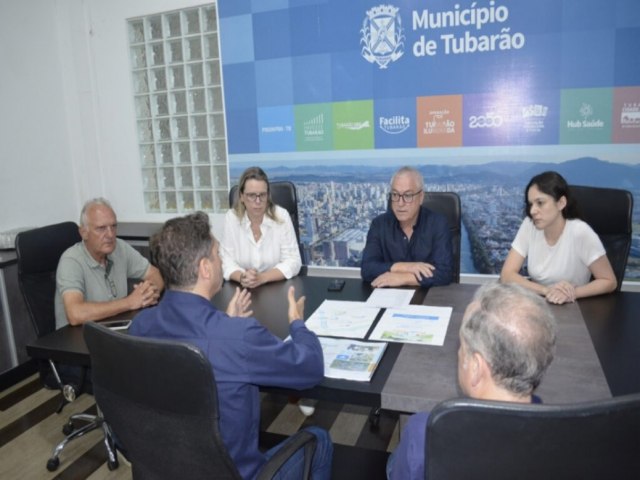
(569, 259)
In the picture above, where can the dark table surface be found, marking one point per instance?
(611, 321)
(269, 304)
(424, 375)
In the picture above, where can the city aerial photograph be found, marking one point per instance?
(337, 203)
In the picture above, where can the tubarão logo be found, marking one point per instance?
(315, 125)
(353, 125)
(382, 35)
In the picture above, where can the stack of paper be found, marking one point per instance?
(390, 297)
(342, 319)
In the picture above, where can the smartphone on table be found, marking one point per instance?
(117, 324)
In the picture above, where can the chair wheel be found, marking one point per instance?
(112, 465)
(68, 428)
(53, 463)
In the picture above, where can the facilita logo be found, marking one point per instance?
(394, 124)
(382, 35)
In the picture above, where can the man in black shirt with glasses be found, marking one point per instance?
(408, 244)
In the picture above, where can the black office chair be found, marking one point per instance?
(38, 253)
(609, 212)
(160, 399)
(475, 439)
(448, 204)
(283, 193)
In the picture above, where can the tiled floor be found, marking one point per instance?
(30, 427)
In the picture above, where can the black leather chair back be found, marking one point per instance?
(38, 252)
(609, 212)
(474, 439)
(159, 399)
(448, 204)
(283, 193)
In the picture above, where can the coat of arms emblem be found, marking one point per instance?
(382, 35)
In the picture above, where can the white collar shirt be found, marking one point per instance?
(277, 246)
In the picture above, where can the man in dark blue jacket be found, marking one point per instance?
(409, 244)
(243, 353)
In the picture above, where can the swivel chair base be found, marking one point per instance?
(71, 432)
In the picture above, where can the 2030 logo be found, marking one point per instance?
(488, 120)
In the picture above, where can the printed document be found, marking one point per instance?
(339, 318)
(351, 359)
(413, 324)
(390, 297)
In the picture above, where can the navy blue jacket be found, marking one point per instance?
(244, 355)
(430, 243)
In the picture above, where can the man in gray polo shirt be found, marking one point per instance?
(91, 280)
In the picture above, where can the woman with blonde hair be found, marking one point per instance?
(259, 243)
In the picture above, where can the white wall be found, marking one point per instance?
(68, 130)
(36, 180)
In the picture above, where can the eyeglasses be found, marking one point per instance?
(406, 197)
(112, 286)
(254, 197)
(110, 283)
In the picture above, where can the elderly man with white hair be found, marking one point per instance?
(91, 280)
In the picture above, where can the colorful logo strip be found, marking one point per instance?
(572, 116)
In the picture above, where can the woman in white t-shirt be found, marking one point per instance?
(259, 243)
(563, 253)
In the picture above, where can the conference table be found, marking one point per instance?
(597, 354)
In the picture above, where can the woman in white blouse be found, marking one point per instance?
(563, 253)
(259, 244)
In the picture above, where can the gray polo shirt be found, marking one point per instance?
(79, 271)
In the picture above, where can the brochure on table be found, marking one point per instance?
(350, 359)
(413, 324)
(338, 318)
